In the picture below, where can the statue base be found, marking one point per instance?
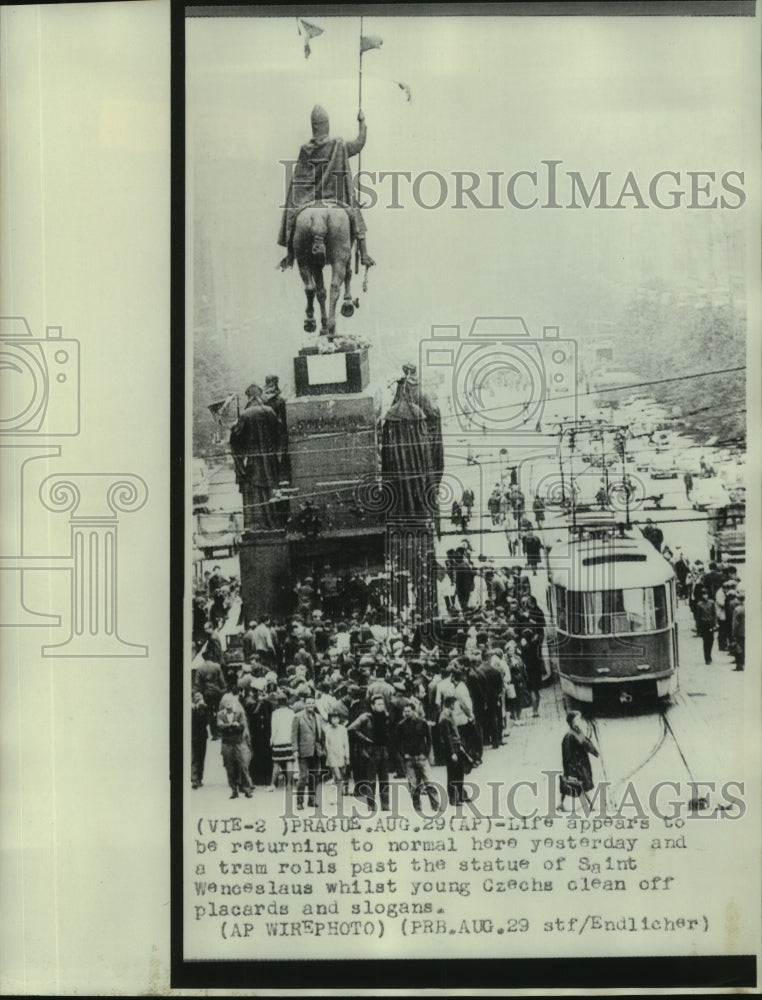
(334, 458)
(265, 574)
(356, 550)
(342, 371)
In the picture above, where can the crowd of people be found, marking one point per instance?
(312, 699)
(351, 690)
(717, 600)
(507, 508)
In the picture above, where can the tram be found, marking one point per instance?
(612, 603)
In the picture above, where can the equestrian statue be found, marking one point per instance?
(322, 221)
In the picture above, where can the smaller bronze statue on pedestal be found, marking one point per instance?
(412, 456)
(256, 442)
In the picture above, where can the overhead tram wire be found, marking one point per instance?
(491, 461)
(580, 395)
(601, 392)
(345, 489)
(548, 434)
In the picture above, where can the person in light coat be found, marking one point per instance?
(337, 751)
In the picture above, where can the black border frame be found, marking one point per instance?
(643, 972)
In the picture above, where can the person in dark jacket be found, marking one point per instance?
(532, 549)
(738, 630)
(198, 740)
(463, 577)
(706, 624)
(577, 779)
(358, 748)
(259, 709)
(467, 502)
(374, 730)
(308, 740)
(531, 653)
(682, 570)
(713, 580)
(236, 745)
(213, 649)
(413, 740)
(199, 619)
(209, 682)
(492, 683)
(248, 643)
(452, 749)
(493, 504)
(538, 506)
(654, 534)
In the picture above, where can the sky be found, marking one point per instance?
(488, 94)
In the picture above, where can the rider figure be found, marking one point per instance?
(322, 174)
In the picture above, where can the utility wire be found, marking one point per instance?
(449, 435)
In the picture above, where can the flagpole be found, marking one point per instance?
(359, 99)
(359, 155)
(359, 96)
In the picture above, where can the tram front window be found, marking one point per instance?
(607, 612)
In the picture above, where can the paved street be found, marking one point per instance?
(708, 699)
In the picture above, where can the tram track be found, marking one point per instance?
(637, 753)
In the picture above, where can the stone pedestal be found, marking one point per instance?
(340, 372)
(331, 438)
(266, 587)
(335, 467)
(358, 550)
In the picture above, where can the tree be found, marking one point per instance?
(213, 379)
(663, 338)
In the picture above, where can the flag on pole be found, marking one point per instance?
(218, 409)
(370, 42)
(310, 31)
(404, 86)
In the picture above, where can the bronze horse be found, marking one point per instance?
(322, 235)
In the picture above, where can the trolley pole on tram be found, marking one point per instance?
(561, 462)
(572, 443)
(604, 463)
(621, 447)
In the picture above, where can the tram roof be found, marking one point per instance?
(608, 564)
